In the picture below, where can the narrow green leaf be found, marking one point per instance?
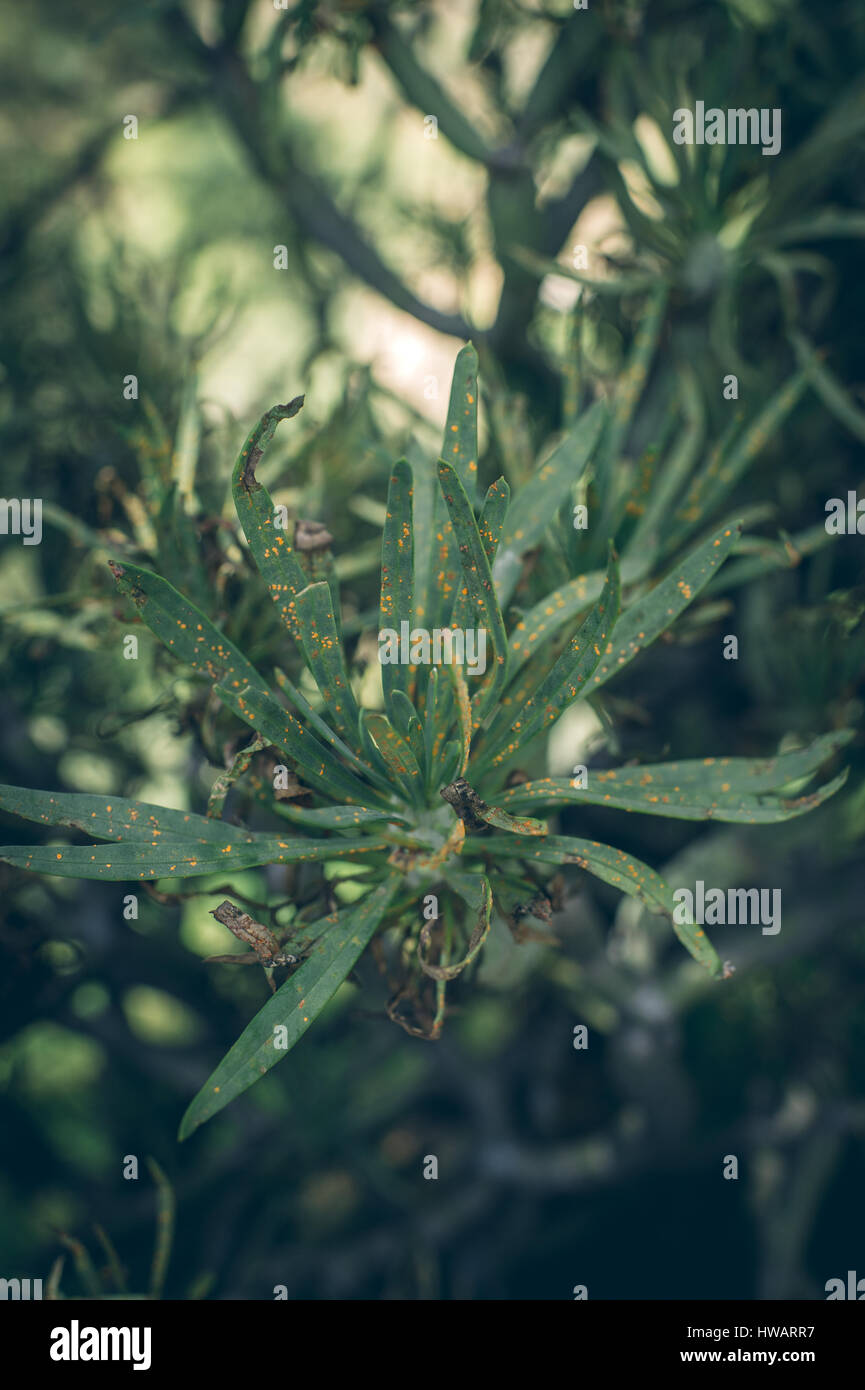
(722, 789)
(448, 765)
(113, 817)
(622, 871)
(178, 858)
(314, 760)
(185, 630)
(568, 679)
(322, 649)
(535, 505)
(726, 466)
(325, 732)
(435, 728)
(651, 615)
(488, 741)
(832, 393)
(405, 720)
(336, 817)
(437, 585)
(632, 381)
(293, 1008)
(614, 470)
(415, 738)
(166, 1206)
(545, 265)
(426, 496)
(397, 565)
(402, 712)
(464, 713)
(397, 754)
(493, 515)
(470, 887)
(490, 524)
(270, 545)
(482, 603)
(674, 472)
(552, 612)
(460, 444)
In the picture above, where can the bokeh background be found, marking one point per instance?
(304, 128)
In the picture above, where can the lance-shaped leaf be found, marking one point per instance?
(569, 676)
(113, 817)
(323, 652)
(448, 764)
(629, 390)
(832, 393)
(396, 752)
(464, 713)
(426, 496)
(722, 789)
(337, 817)
(283, 1020)
(672, 476)
(313, 759)
(482, 603)
(622, 871)
(515, 696)
(125, 862)
(651, 615)
(150, 842)
(185, 630)
(436, 728)
(325, 732)
(550, 614)
(480, 932)
(408, 724)
(492, 518)
(460, 445)
(727, 465)
(490, 524)
(437, 586)
(402, 713)
(535, 505)
(270, 545)
(397, 563)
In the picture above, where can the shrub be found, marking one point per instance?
(427, 795)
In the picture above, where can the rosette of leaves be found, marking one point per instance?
(420, 791)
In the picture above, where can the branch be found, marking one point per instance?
(555, 90)
(234, 15)
(422, 90)
(308, 203)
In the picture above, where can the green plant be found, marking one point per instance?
(423, 792)
(108, 1280)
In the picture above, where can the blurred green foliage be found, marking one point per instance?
(304, 128)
